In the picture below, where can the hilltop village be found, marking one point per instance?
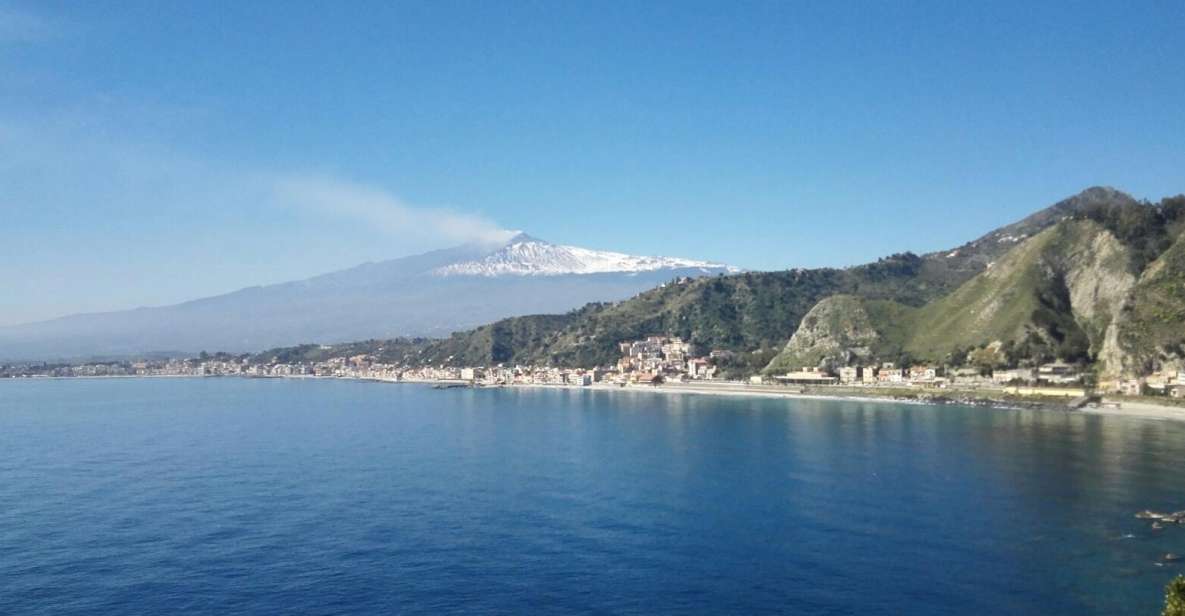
(651, 361)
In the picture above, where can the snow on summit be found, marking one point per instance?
(524, 255)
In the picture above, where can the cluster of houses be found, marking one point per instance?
(926, 375)
(172, 367)
(1165, 382)
(646, 361)
(1057, 378)
(649, 360)
(886, 373)
(668, 358)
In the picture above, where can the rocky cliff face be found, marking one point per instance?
(1151, 327)
(1058, 293)
(1064, 288)
(836, 332)
(1095, 266)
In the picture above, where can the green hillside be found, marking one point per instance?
(1053, 296)
(396, 350)
(844, 330)
(751, 313)
(1028, 298)
(517, 340)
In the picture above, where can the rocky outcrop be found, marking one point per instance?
(836, 332)
(1094, 266)
(1151, 328)
(1059, 293)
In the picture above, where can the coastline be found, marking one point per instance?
(1137, 410)
(1109, 407)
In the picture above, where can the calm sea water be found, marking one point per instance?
(230, 496)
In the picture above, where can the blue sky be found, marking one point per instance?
(152, 152)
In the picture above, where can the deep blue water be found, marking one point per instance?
(232, 496)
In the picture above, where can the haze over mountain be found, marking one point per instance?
(432, 294)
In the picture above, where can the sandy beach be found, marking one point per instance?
(1111, 406)
(1138, 409)
(1117, 407)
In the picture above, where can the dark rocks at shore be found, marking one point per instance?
(1160, 520)
(982, 402)
(1176, 517)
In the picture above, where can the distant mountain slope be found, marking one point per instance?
(1051, 284)
(1098, 277)
(424, 295)
(974, 256)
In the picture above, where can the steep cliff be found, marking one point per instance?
(836, 332)
(1151, 329)
(1055, 295)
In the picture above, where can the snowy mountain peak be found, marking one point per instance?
(524, 255)
(522, 237)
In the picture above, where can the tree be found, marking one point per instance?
(988, 358)
(958, 357)
(1174, 597)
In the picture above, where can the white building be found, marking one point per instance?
(1024, 375)
(849, 374)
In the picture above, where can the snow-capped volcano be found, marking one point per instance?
(431, 294)
(524, 255)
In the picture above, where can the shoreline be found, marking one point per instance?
(1109, 407)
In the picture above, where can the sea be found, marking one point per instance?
(275, 496)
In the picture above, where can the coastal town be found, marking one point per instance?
(650, 361)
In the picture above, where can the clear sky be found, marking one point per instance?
(152, 152)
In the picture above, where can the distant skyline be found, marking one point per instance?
(155, 152)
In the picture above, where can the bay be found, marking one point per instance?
(240, 496)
